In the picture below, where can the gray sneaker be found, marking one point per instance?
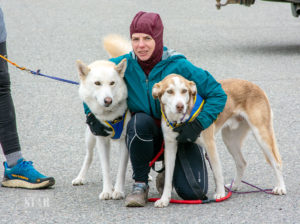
(138, 196)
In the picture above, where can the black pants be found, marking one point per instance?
(144, 139)
(8, 131)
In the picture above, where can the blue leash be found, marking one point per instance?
(52, 77)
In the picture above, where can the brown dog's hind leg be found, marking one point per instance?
(264, 134)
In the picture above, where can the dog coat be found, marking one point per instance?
(117, 126)
(198, 104)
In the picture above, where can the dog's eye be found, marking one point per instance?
(112, 83)
(98, 83)
(170, 91)
(183, 91)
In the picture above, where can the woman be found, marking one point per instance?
(148, 64)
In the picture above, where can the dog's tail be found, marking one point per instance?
(115, 45)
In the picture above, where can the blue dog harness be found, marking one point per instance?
(117, 126)
(198, 105)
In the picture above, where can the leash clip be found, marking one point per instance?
(37, 72)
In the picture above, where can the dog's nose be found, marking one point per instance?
(107, 101)
(179, 107)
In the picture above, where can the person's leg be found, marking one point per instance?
(17, 171)
(8, 131)
(143, 141)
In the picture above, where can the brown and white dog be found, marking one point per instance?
(247, 107)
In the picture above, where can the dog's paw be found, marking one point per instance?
(117, 195)
(279, 190)
(78, 181)
(104, 195)
(161, 203)
(232, 187)
(219, 195)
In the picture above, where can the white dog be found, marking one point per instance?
(103, 89)
(247, 107)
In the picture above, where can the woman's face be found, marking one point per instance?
(143, 45)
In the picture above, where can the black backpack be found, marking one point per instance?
(190, 174)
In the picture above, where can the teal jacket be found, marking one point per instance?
(140, 86)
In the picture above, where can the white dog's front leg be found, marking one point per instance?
(90, 142)
(169, 157)
(120, 181)
(103, 149)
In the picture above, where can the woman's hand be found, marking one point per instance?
(96, 127)
(189, 132)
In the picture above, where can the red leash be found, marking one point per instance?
(194, 201)
(158, 155)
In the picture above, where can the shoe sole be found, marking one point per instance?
(27, 185)
(134, 204)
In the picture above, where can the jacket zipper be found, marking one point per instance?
(151, 112)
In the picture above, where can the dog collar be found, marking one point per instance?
(198, 104)
(117, 126)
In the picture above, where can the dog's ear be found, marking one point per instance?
(192, 88)
(121, 67)
(83, 69)
(156, 90)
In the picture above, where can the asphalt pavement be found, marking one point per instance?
(260, 43)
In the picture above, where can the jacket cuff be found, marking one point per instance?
(86, 109)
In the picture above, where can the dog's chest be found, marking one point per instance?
(168, 133)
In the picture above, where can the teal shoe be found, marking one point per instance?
(23, 175)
